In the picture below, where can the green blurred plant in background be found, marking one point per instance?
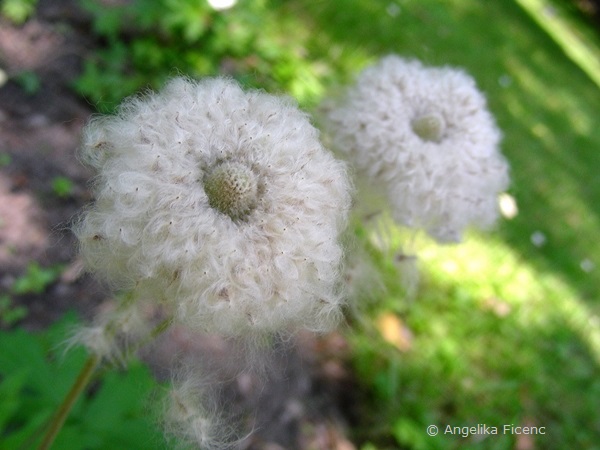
(18, 11)
(147, 41)
(36, 374)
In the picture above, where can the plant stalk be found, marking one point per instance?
(69, 401)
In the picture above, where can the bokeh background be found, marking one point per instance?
(501, 329)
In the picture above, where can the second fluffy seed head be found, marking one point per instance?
(423, 138)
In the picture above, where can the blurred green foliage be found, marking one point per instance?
(62, 186)
(9, 312)
(36, 279)
(17, 11)
(35, 374)
(487, 340)
(5, 159)
(502, 330)
(29, 81)
(147, 41)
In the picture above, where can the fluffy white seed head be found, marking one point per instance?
(193, 415)
(114, 333)
(424, 138)
(222, 203)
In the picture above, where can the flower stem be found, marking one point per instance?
(86, 373)
(69, 401)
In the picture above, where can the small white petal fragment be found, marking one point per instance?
(221, 5)
(508, 206)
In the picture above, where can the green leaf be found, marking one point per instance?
(107, 20)
(9, 313)
(34, 378)
(118, 397)
(18, 11)
(29, 81)
(22, 351)
(27, 431)
(10, 389)
(36, 279)
(62, 186)
(5, 159)
(412, 434)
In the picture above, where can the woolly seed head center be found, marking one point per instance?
(232, 189)
(429, 127)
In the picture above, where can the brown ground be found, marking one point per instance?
(39, 131)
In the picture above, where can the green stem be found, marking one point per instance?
(161, 328)
(82, 381)
(85, 375)
(69, 401)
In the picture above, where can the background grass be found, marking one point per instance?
(502, 331)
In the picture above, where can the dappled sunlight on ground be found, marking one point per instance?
(494, 273)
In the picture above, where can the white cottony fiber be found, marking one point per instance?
(425, 140)
(219, 202)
